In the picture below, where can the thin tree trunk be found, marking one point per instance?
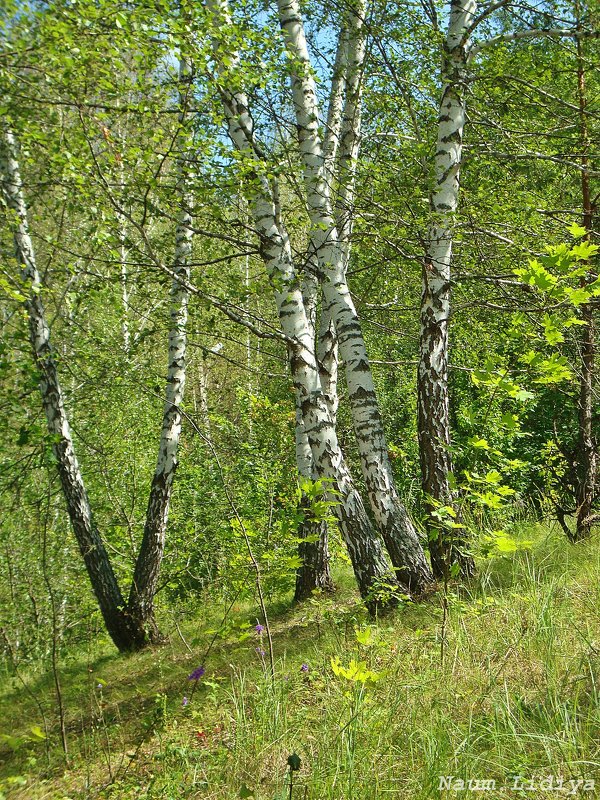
(588, 457)
(432, 381)
(124, 278)
(149, 560)
(327, 343)
(328, 359)
(313, 574)
(367, 556)
(203, 393)
(390, 514)
(121, 628)
(123, 255)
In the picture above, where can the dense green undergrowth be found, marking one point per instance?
(506, 686)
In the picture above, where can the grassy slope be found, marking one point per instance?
(517, 694)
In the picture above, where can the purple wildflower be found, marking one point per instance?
(259, 628)
(196, 674)
(304, 668)
(184, 702)
(260, 651)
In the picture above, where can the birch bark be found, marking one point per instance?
(120, 626)
(432, 379)
(313, 574)
(390, 514)
(367, 556)
(327, 343)
(149, 560)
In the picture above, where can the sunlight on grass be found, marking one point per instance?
(369, 709)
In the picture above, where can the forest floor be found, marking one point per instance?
(512, 698)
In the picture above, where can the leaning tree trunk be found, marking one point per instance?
(149, 560)
(390, 514)
(121, 627)
(432, 380)
(313, 549)
(367, 556)
(588, 456)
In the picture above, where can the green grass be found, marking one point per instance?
(517, 694)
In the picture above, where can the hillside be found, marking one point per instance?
(517, 694)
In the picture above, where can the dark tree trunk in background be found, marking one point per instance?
(587, 453)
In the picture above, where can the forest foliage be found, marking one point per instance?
(304, 287)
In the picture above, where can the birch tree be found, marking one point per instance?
(119, 624)
(432, 382)
(314, 574)
(130, 623)
(588, 454)
(330, 246)
(148, 563)
(459, 52)
(366, 553)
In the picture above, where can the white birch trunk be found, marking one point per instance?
(396, 527)
(364, 548)
(314, 574)
(203, 393)
(351, 132)
(91, 546)
(335, 109)
(433, 401)
(328, 360)
(149, 560)
(327, 344)
(588, 454)
(124, 286)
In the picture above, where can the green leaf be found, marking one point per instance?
(493, 476)
(552, 333)
(510, 421)
(480, 444)
(578, 296)
(576, 231)
(584, 251)
(523, 395)
(365, 637)
(14, 742)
